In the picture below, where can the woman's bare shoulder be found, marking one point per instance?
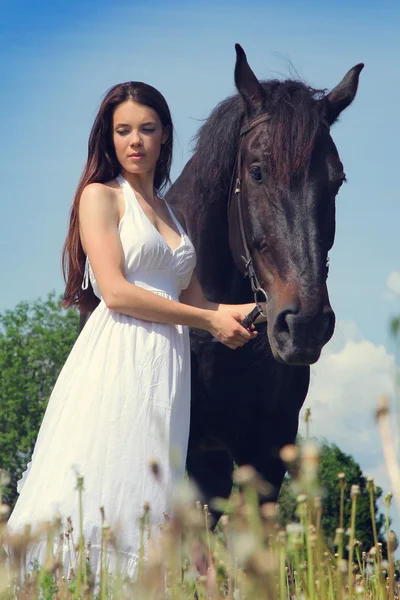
(99, 196)
(107, 189)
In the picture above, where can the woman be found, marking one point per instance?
(123, 395)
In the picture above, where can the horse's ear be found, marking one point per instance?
(247, 83)
(343, 94)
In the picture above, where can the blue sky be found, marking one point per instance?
(58, 59)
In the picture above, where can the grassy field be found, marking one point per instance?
(247, 557)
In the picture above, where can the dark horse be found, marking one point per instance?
(245, 404)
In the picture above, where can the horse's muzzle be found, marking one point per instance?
(297, 337)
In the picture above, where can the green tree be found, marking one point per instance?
(35, 340)
(332, 462)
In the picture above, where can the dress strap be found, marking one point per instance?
(175, 220)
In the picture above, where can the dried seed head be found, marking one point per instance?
(245, 475)
(383, 407)
(57, 520)
(155, 467)
(339, 536)
(392, 541)
(225, 520)
(146, 507)
(388, 498)
(289, 453)
(310, 452)
(384, 565)
(5, 478)
(282, 537)
(370, 484)
(269, 510)
(294, 528)
(359, 590)
(355, 491)
(342, 565)
(4, 512)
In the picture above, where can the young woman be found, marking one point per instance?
(122, 398)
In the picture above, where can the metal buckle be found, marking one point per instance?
(257, 292)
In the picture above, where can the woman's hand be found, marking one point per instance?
(226, 328)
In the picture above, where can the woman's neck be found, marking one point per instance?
(142, 183)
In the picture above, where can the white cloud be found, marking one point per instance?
(393, 286)
(393, 282)
(345, 385)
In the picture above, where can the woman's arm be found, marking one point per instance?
(194, 296)
(98, 217)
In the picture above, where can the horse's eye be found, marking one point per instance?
(255, 172)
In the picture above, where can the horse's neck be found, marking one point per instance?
(208, 231)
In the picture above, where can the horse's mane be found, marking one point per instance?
(295, 121)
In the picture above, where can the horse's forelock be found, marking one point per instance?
(296, 113)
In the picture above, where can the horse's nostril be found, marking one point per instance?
(284, 319)
(306, 328)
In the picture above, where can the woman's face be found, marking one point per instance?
(138, 135)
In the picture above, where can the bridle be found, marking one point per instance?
(258, 291)
(248, 266)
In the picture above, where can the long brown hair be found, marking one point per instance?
(101, 166)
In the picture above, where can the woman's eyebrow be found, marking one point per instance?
(142, 124)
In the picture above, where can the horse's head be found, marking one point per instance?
(291, 174)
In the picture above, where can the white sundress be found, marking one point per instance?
(121, 399)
